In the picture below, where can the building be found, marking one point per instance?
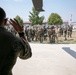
(29, 23)
(65, 23)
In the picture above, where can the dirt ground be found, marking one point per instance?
(61, 40)
(69, 40)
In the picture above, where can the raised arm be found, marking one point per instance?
(26, 52)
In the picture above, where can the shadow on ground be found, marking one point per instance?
(70, 51)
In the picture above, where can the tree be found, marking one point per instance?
(34, 17)
(55, 19)
(19, 20)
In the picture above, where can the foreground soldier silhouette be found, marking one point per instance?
(11, 46)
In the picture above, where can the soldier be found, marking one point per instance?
(11, 46)
(41, 35)
(36, 34)
(45, 33)
(32, 33)
(57, 33)
(51, 34)
(29, 34)
(69, 31)
(61, 31)
(65, 32)
(26, 32)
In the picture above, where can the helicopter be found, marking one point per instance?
(38, 4)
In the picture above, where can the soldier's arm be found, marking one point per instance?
(26, 52)
(26, 49)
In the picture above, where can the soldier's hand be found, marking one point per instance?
(16, 25)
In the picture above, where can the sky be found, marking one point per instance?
(65, 8)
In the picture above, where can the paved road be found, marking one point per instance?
(48, 59)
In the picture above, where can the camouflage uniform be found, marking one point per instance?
(11, 47)
(65, 33)
(41, 34)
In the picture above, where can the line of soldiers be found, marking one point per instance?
(36, 34)
(41, 33)
(53, 32)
